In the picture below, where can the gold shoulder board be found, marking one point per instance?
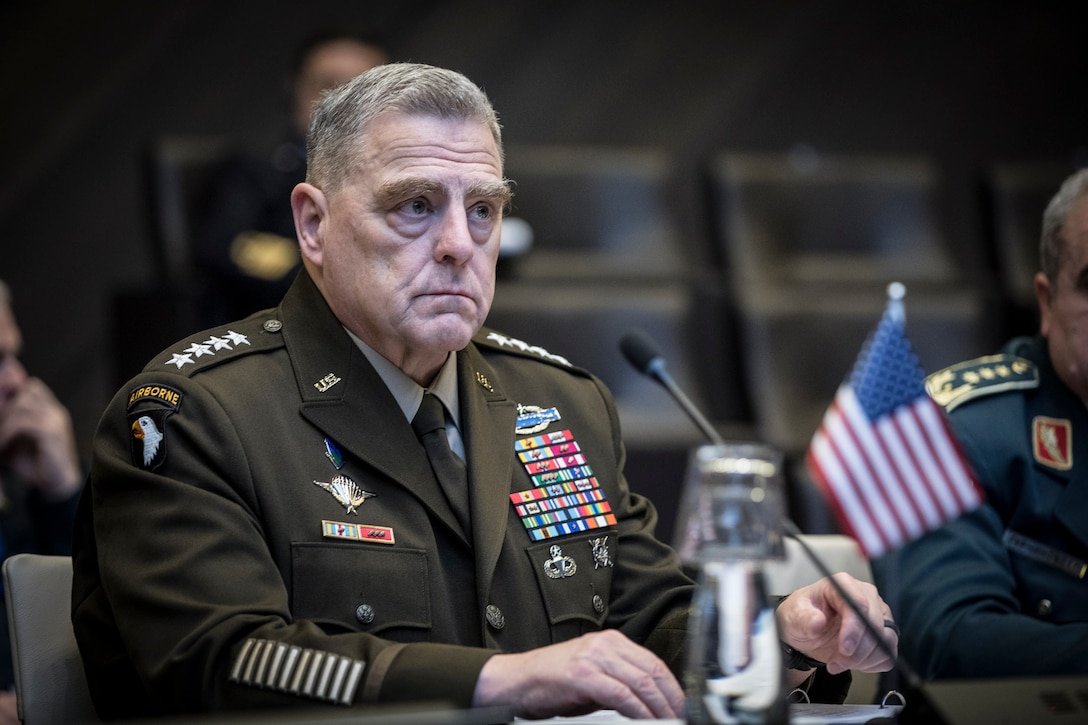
(965, 381)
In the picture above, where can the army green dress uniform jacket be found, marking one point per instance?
(1002, 591)
(262, 527)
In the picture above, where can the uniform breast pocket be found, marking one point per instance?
(362, 589)
(575, 580)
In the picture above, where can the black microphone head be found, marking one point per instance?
(641, 351)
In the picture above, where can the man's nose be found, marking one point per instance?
(454, 240)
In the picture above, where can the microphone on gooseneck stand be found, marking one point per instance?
(642, 353)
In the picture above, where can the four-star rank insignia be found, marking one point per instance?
(346, 491)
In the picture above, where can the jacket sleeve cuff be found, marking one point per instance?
(436, 672)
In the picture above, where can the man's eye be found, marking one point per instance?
(481, 212)
(416, 206)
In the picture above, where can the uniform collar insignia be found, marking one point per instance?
(1052, 442)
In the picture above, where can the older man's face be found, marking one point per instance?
(1064, 304)
(410, 241)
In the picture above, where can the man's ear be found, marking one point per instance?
(310, 207)
(1042, 298)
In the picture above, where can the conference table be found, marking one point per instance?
(1007, 701)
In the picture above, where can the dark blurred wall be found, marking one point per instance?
(87, 85)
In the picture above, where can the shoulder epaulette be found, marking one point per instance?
(219, 345)
(982, 376)
(498, 341)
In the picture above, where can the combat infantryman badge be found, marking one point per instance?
(533, 419)
(346, 491)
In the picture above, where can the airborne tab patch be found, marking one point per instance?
(158, 393)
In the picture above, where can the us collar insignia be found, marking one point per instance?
(327, 382)
(533, 419)
(1052, 442)
(333, 454)
(346, 491)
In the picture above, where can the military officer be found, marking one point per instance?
(273, 520)
(1003, 591)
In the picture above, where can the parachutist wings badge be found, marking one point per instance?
(346, 491)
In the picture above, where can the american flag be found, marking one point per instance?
(884, 455)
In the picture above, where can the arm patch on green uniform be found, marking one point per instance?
(966, 381)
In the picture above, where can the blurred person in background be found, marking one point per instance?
(244, 247)
(40, 474)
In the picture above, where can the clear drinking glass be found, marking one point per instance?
(730, 523)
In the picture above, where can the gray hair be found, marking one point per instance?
(340, 120)
(1053, 245)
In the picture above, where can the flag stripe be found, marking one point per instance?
(881, 508)
(840, 479)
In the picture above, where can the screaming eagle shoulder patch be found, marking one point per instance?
(147, 423)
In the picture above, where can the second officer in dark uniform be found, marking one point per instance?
(1003, 591)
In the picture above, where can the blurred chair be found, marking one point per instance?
(49, 681)
(798, 351)
(813, 220)
(180, 170)
(837, 552)
(596, 212)
(1015, 194)
(584, 323)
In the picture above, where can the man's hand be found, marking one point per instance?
(8, 709)
(37, 440)
(598, 671)
(816, 621)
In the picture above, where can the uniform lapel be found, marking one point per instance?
(345, 398)
(487, 425)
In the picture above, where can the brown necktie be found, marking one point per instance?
(430, 426)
